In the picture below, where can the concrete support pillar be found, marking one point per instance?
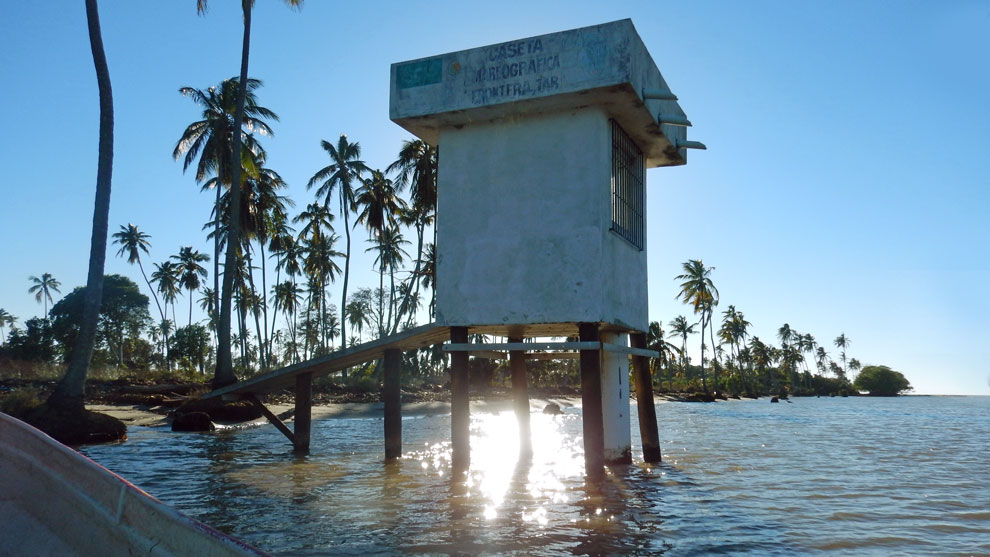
(304, 413)
(393, 404)
(648, 430)
(591, 402)
(615, 401)
(520, 396)
(460, 412)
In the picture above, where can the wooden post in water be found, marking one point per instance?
(460, 411)
(304, 412)
(591, 403)
(520, 396)
(393, 404)
(648, 430)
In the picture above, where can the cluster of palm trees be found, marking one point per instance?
(746, 364)
(303, 247)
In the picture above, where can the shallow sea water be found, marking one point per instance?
(838, 476)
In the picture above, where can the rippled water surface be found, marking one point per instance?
(856, 476)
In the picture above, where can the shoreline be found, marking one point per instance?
(159, 416)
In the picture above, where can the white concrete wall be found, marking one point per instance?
(524, 210)
(615, 401)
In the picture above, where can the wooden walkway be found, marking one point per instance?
(285, 378)
(589, 348)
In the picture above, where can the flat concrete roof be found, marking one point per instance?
(605, 66)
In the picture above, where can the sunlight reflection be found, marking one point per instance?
(497, 472)
(499, 479)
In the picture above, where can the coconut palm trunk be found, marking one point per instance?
(225, 366)
(343, 293)
(70, 390)
(264, 304)
(168, 363)
(254, 308)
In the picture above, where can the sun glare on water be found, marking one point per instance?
(500, 479)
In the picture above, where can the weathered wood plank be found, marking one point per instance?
(393, 404)
(304, 412)
(412, 339)
(631, 350)
(648, 429)
(271, 417)
(522, 346)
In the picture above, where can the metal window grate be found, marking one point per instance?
(627, 187)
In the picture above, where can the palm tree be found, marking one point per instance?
(132, 242)
(388, 245)
(319, 265)
(854, 364)
(734, 330)
(211, 139)
(679, 327)
(344, 169)
(698, 290)
(806, 343)
(428, 275)
(763, 356)
(6, 320)
(206, 303)
(224, 157)
(225, 370)
(286, 296)
(841, 342)
(42, 289)
(69, 392)
(166, 275)
(655, 341)
(379, 203)
(821, 359)
(380, 209)
(190, 271)
(358, 315)
(416, 167)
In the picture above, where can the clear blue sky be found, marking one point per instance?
(845, 188)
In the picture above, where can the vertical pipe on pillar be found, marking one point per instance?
(304, 413)
(460, 412)
(591, 403)
(520, 396)
(648, 430)
(615, 400)
(393, 404)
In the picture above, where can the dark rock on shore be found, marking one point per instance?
(220, 411)
(193, 421)
(552, 408)
(74, 427)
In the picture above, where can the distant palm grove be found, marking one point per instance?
(291, 294)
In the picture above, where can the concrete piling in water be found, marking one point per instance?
(617, 439)
(648, 429)
(393, 404)
(520, 396)
(460, 411)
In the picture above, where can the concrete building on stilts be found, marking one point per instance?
(543, 148)
(541, 224)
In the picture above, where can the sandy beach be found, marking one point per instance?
(144, 416)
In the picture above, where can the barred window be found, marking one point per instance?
(627, 187)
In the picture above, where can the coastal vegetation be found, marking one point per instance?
(269, 300)
(881, 381)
